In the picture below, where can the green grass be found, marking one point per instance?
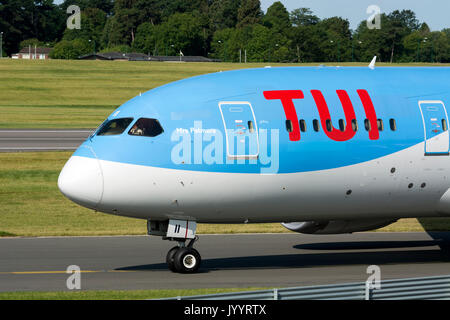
(6, 234)
(114, 295)
(67, 117)
(31, 205)
(81, 94)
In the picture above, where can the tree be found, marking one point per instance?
(26, 19)
(181, 32)
(222, 27)
(223, 14)
(148, 37)
(446, 31)
(71, 49)
(424, 28)
(150, 11)
(226, 43)
(411, 47)
(277, 18)
(441, 46)
(259, 43)
(249, 13)
(31, 42)
(93, 23)
(266, 45)
(426, 47)
(121, 49)
(338, 45)
(371, 42)
(388, 42)
(308, 43)
(105, 5)
(303, 17)
(406, 19)
(122, 26)
(169, 8)
(400, 24)
(129, 14)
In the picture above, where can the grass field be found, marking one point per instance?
(81, 94)
(115, 295)
(31, 205)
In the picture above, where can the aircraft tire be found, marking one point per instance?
(170, 258)
(187, 260)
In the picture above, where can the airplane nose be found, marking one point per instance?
(81, 180)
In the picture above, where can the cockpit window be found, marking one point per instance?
(146, 128)
(114, 127)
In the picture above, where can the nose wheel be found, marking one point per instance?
(184, 259)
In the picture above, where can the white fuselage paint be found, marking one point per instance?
(158, 194)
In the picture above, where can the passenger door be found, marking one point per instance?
(240, 129)
(435, 122)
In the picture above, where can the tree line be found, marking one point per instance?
(229, 30)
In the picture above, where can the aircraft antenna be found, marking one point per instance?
(372, 63)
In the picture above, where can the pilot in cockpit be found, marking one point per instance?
(137, 130)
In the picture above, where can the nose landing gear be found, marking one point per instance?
(182, 258)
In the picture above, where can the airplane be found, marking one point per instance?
(322, 150)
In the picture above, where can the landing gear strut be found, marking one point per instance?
(182, 258)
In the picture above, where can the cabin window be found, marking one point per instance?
(444, 125)
(146, 128)
(380, 124)
(329, 125)
(251, 128)
(354, 125)
(303, 125)
(316, 125)
(289, 127)
(114, 127)
(367, 124)
(392, 124)
(342, 125)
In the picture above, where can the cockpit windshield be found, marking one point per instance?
(146, 128)
(114, 127)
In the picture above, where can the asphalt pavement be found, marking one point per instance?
(41, 140)
(228, 261)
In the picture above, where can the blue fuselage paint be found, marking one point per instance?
(184, 104)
